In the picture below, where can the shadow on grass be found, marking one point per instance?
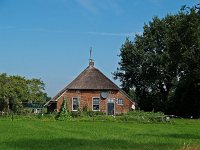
(80, 144)
(183, 136)
(174, 135)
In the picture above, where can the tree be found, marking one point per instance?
(163, 59)
(16, 90)
(3, 92)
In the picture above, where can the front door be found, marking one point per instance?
(111, 108)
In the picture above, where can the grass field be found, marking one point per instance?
(68, 135)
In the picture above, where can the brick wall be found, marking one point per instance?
(86, 97)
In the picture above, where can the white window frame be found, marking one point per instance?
(92, 103)
(121, 100)
(73, 103)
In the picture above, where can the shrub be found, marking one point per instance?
(94, 113)
(75, 114)
(63, 113)
(145, 117)
(85, 108)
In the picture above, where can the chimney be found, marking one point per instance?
(91, 63)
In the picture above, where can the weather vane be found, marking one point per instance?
(91, 54)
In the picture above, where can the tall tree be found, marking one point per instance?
(164, 57)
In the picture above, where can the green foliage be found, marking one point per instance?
(133, 116)
(80, 113)
(158, 62)
(85, 108)
(63, 113)
(95, 113)
(144, 117)
(185, 101)
(16, 92)
(75, 114)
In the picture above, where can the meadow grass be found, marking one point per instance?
(71, 135)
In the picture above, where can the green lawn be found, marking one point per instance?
(41, 135)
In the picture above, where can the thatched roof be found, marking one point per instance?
(92, 79)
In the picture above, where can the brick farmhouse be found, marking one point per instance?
(92, 89)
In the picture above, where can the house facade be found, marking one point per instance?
(92, 89)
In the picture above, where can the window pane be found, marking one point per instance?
(120, 101)
(96, 102)
(111, 100)
(95, 107)
(75, 104)
(75, 101)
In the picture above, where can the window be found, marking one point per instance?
(75, 103)
(120, 101)
(111, 100)
(95, 104)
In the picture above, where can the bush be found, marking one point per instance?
(76, 114)
(64, 113)
(144, 117)
(94, 113)
(85, 108)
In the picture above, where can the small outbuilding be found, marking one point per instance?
(92, 89)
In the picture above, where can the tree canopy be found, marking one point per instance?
(17, 91)
(162, 65)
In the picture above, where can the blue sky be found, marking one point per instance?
(51, 39)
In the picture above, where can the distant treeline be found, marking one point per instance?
(17, 92)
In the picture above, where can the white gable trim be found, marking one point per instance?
(127, 96)
(60, 96)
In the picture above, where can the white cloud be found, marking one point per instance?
(89, 6)
(97, 7)
(44, 30)
(111, 34)
(115, 7)
(125, 34)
